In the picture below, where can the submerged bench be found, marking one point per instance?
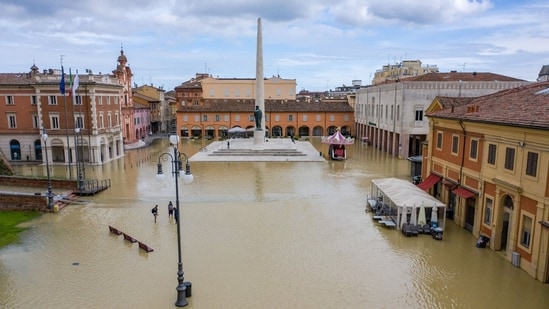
(145, 247)
(130, 239)
(114, 230)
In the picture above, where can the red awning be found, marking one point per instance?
(461, 191)
(428, 182)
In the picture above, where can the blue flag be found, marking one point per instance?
(62, 83)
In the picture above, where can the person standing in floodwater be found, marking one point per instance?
(155, 212)
(176, 214)
(170, 210)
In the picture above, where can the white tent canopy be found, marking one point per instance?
(404, 195)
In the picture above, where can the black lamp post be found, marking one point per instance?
(80, 183)
(177, 167)
(50, 194)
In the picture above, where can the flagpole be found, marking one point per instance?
(66, 118)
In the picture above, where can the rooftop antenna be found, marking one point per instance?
(462, 70)
(61, 56)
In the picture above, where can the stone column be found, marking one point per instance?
(259, 136)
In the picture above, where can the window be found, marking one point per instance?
(332, 118)
(439, 140)
(304, 117)
(492, 154)
(101, 124)
(12, 123)
(419, 114)
(78, 121)
(345, 117)
(117, 119)
(212, 93)
(318, 117)
(277, 117)
(195, 102)
(197, 118)
(455, 144)
(78, 100)
(386, 111)
(474, 149)
(9, 100)
(392, 112)
(34, 100)
(35, 121)
(237, 93)
(204, 117)
(217, 118)
(532, 164)
(526, 231)
(226, 118)
(54, 121)
(278, 92)
(251, 118)
(52, 100)
(509, 158)
(109, 119)
(488, 211)
(398, 112)
(226, 92)
(290, 117)
(237, 117)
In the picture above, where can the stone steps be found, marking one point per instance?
(257, 152)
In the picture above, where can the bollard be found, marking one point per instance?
(188, 289)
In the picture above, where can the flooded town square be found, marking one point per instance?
(254, 235)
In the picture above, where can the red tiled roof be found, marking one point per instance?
(455, 77)
(233, 105)
(525, 106)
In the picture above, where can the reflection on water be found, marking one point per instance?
(254, 235)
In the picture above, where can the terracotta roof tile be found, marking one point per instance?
(525, 106)
(455, 77)
(221, 105)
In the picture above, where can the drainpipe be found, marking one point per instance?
(462, 151)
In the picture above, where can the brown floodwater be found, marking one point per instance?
(254, 235)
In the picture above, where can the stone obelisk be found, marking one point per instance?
(259, 134)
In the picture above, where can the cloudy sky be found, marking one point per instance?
(322, 44)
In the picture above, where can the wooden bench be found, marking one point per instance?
(129, 238)
(114, 230)
(145, 247)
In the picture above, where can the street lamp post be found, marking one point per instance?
(50, 194)
(177, 168)
(76, 155)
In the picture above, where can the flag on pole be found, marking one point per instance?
(76, 84)
(70, 83)
(62, 82)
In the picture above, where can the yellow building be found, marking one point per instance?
(489, 159)
(209, 107)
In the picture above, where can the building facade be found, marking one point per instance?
(84, 126)
(488, 160)
(209, 107)
(404, 69)
(390, 116)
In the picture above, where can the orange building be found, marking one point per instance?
(209, 107)
(487, 158)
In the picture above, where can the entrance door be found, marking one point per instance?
(470, 214)
(505, 230)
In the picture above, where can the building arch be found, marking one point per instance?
(304, 131)
(57, 150)
(15, 150)
(277, 131)
(318, 131)
(38, 150)
(184, 131)
(290, 130)
(507, 206)
(209, 131)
